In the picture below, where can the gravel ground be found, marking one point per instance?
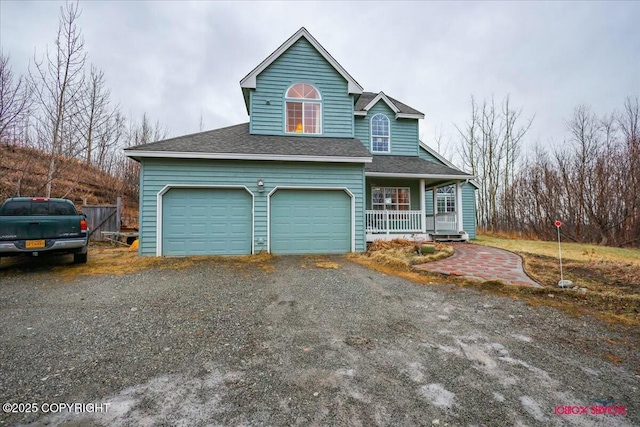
(224, 343)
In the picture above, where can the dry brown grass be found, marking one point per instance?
(613, 287)
(404, 253)
(610, 275)
(393, 269)
(107, 260)
(328, 264)
(573, 251)
(396, 257)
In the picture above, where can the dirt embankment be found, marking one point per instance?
(23, 172)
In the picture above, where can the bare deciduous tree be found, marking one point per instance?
(590, 183)
(15, 100)
(491, 145)
(58, 81)
(97, 112)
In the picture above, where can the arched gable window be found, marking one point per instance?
(303, 109)
(380, 134)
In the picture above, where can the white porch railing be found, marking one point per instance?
(394, 221)
(408, 222)
(445, 221)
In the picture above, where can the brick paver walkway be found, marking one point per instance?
(482, 263)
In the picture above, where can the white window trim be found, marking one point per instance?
(394, 188)
(345, 189)
(388, 136)
(448, 196)
(303, 101)
(166, 188)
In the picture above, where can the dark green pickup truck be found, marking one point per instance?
(42, 225)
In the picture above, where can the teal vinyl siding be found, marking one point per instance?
(428, 202)
(412, 184)
(427, 156)
(206, 221)
(301, 63)
(160, 172)
(469, 209)
(141, 211)
(310, 221)
(404, 132)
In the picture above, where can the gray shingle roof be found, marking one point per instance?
(237, 140)
(410, 165)
(367, 97)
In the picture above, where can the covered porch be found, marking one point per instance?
(425, 209)
(414, 198)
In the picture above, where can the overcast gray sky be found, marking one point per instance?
(176, 60)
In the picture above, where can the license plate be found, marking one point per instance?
(30, 244)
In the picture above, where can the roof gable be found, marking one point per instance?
(368, 100)
(381, 97)
(249, 81)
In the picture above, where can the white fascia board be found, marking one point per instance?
(234, 156)
(409, 116)
(437, 155)
(384, 97)
(359, 113)
(419, 175)
(249, 81)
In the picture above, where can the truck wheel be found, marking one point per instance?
(80, 258)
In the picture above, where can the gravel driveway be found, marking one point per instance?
(225, 343)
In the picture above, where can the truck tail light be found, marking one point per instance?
(83, 225)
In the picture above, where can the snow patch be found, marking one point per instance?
(498, 397)
(541, 373)
(452, 350)
(522, 338)
(415, 372)
(170, 397)
(475, 354)
(346, 372)
(438, 396)
(497, 347)
(448, 308)
(533, 409)
(589, 371)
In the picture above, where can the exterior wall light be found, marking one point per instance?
(260, 185)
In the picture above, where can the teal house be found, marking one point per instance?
(322, 166)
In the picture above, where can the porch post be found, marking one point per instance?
(423, 208)
(459, 206)
(387, 220)
(435, 209)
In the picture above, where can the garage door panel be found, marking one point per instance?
(206, 222)
(310, 221)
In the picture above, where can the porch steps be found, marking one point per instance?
(428, 237)
(448, 237)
